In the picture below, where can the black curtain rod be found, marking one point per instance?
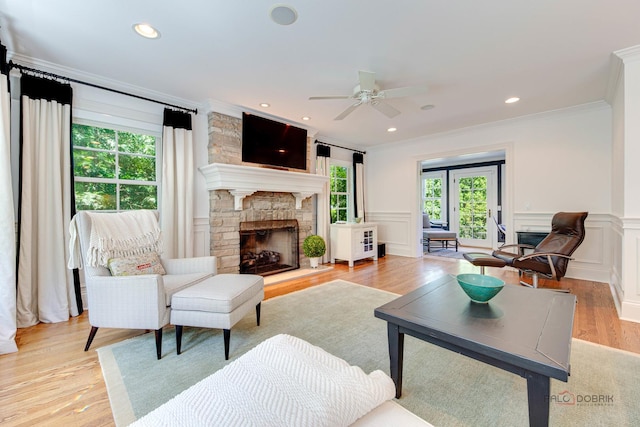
(337, 146)
(56, 76)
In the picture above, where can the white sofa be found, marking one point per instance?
(285, 381)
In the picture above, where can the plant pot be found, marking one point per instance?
(314, 261)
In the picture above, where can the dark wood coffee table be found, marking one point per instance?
(521, 330)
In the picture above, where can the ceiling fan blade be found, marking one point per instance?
(314, 98)
(367, 80)
(402, 92)
(385, 109)
(348, 111)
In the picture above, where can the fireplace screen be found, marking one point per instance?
(269, 247)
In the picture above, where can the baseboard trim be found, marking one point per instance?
(630, 311)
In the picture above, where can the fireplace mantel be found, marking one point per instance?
(243, 181)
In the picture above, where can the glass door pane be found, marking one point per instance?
(474, 200)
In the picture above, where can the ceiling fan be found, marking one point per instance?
(368, 92)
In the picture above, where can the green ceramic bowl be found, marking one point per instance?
(480, 288)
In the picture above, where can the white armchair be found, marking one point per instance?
(135, 302)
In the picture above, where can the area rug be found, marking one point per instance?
(440, 386)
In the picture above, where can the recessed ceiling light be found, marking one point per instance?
(392, 129)
(427, 107)
(146, 30)
(512, 100)
(283, 14)
(305, 118)
(265, 105)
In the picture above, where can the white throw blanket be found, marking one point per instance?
(116, 235)
(284, 381)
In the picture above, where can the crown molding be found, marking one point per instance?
(215, 106)
(616, 68)
(629, 54)
(102, 81)
(566, 111)
(615, 77)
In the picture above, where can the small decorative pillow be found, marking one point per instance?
(148, 263)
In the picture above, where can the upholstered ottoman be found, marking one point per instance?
(217, 302)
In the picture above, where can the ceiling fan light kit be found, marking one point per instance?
(368, 92)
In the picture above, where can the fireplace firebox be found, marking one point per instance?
(269, 247)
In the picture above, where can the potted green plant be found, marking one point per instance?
(313, 248)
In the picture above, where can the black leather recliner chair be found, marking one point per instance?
(550, 258)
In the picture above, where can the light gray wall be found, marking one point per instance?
(556, 161)
(625, 277)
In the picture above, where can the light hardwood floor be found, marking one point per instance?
(52, 381)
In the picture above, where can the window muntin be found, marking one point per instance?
(433, 196)
(114, 169)
(341, 183)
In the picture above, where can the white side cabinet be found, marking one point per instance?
(351, 242)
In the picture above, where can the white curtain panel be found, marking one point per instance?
(359, 170)
(323, 206)
(45, 286)
(7, 230)
(176, 210)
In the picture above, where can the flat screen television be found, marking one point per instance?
(268, 142)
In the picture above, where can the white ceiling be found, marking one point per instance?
(471, 55)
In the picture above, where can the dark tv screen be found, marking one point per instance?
(268, 142)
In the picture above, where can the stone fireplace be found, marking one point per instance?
(241, 193)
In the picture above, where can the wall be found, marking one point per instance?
(102, 107)
(99, 106)
(626, 134)
(554, 161)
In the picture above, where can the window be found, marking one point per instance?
(341, 181)
(113, 169)
(433, 193)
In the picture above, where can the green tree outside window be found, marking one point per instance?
(473, 207)
(114, 170)
(433, 197)
(340, 194)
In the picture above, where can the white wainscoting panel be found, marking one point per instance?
(615, 279)
(201, 238)
(630, 270)
(395, 230)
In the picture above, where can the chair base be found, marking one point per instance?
(534, 282)
(92, 335)
(158, 333)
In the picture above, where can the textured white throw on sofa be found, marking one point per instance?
(284, 381)
(116, 235)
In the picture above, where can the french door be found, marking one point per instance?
(474, 197)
